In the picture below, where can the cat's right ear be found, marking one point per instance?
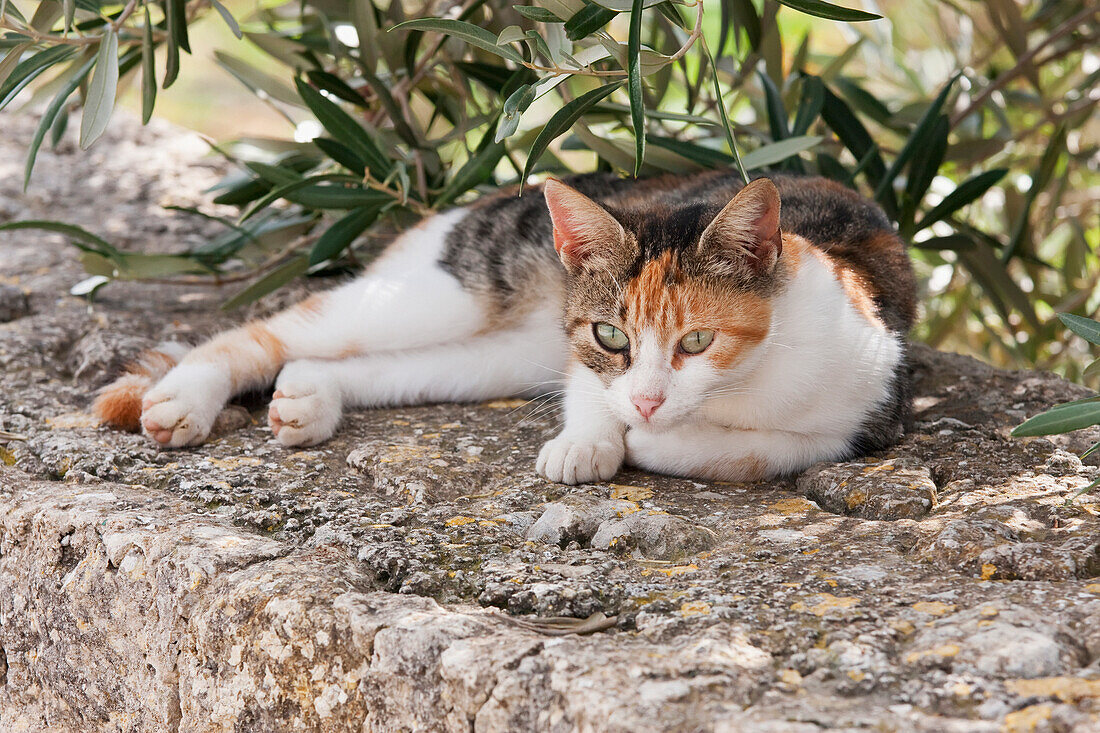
(586, 236)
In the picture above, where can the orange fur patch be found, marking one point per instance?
(663, 300)
(119, 403)
(312, 305)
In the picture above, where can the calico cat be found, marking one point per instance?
(700, 329)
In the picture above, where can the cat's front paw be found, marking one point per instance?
(577, 461)
(180, 410)
(303, 414)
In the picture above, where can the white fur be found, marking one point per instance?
(797, 398)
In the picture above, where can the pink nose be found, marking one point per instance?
(647, 405)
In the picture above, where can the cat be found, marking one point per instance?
(702, 328)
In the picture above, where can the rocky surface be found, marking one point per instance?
(395, 577)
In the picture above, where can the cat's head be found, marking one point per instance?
(667, 305)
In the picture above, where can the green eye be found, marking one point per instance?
(610, 337)
(696, 342)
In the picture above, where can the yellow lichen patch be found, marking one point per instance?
(459, 521)
(877, 467)
(505, 404)
(812, 552)
(943, 651)
(988, 571)
(677, 570)
(856, 676)
(961, 689)
(695, 608)
(630, 493)
(790, 677)
(989, 612)
(820, 604)
(1028, 719)
(1066, 689)
(903, 627)
(935, 608)
(73, 420)
(6, 456)
(796, 505)
(400, 423)
(855, 499)
(403, 453)
(236, 462)
(304, 455)
(1091, 587)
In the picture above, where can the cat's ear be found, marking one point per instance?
(748, 227)
(585, 235)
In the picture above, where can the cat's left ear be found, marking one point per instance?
(586, 236)
(748, 227)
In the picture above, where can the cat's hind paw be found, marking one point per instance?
(567, 461)
(304, 414)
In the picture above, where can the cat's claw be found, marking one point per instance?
(302, 414)
(568, 461)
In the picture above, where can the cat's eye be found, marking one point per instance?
(610, 337)
(696, 342)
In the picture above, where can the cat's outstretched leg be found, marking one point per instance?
(724, 454)
(311, 394)
(405, 300)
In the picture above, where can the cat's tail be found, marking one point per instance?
(119, 403)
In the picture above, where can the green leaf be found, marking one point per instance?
(966, 192)
(50, 115)
(1086, 328)
(1086, 489)
(13, 57)
(148, 70)
(491, 75)
(468, 32)
(1062, 418)
(100, 102)
(745, 16)
(704, 156)
(809, 105)
(477, 169)
(634, 84)
(926, 133)
(587, 20)
(175, 15)
(537, 14)
(76, 233)
(952, 242)
(227, 17)
(345, 129)
(1092, 370)
(726, 126)
(925, 166)
(27, 71)
(562, 120)
(70, 11)
(514, 107)
(1039, 181)
(622, 6)
(829, 11)
(777, 152)
(309, 193)
(341, 234)
(342, 154)
(777, 113)
(271, 282)
(840, 119)
(257, 80)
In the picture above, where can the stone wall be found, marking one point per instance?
(401, 576)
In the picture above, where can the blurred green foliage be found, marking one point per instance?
(972, 123)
